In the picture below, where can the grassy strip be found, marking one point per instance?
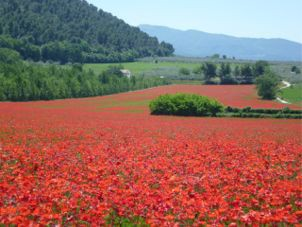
(292, 94)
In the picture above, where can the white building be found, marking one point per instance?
(126, 72)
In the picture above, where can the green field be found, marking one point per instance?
(140, 67)
(292, 94)
(166, 69)
(169, 68)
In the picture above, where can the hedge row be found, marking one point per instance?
(285, 110)
(259, 115)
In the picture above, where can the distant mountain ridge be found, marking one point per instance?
(193, 43)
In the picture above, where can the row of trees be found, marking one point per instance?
(259, 73)
(21, 81)
(225, 74)
(72, 31)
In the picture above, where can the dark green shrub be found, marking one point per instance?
(184, 71)
(267, 85)
(247, 109)
(286, 110)
(230, 109)
(185, 105)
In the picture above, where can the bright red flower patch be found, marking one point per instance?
(77, 161)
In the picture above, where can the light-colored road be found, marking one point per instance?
(286, 85)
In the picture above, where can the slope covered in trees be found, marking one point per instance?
(72, 31)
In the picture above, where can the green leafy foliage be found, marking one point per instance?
(209, 70)
(185, 105)
(267, 85)
(295, 69)
(72, 31)
(184, 71)
(224, 74)
(8, 56)
(22, 81)
(260, 67)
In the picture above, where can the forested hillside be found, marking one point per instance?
(72, 31)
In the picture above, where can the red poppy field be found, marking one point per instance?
(103, 160)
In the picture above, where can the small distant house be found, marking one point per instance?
(126, 73)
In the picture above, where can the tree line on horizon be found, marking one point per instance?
(258, 73)
(224, 73)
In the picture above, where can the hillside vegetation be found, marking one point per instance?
(23, 81)
(72, 31)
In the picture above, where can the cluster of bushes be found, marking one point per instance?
(185, 105)
(23, 81)
(196, 105)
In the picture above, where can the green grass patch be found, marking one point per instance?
(187, 82)
(140, 67)
(293, 94)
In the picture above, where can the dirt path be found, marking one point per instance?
(286, 85)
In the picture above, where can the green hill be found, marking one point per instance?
(72, 31)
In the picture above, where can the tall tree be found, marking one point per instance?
(260, 67)
(209, 70)
(247, 74)
(267, 85)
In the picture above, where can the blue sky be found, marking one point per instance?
(242, 18)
